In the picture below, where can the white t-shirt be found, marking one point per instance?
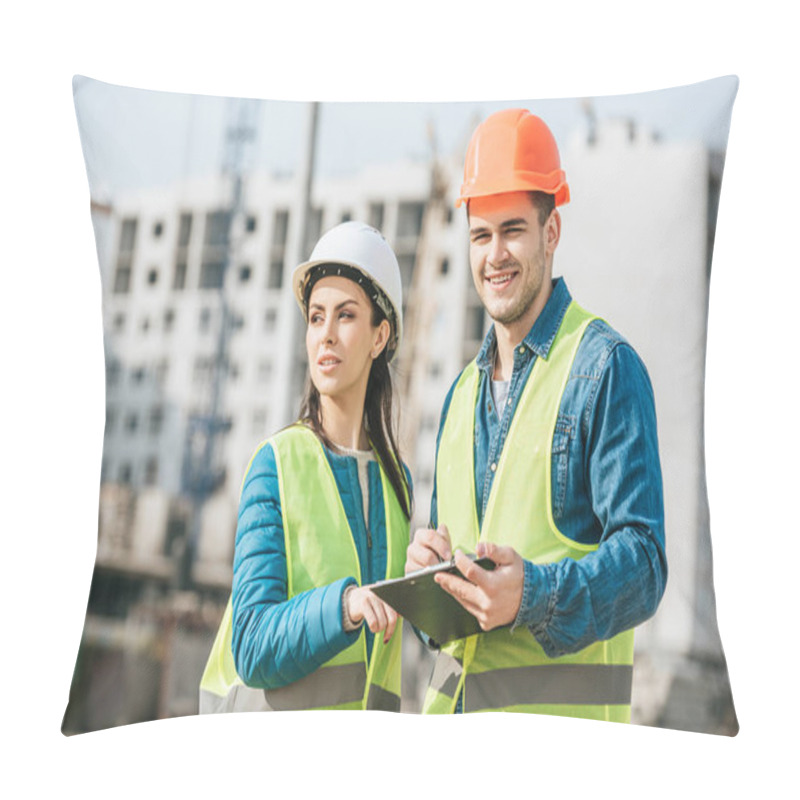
(499, 395)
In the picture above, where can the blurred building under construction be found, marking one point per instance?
(205, 358)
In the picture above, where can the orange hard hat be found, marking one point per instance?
(512, 151)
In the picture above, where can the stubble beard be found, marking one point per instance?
(531, 292)
(519, 309)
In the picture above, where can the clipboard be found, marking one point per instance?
(419, 599)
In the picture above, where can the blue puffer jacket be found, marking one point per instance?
(277, 641)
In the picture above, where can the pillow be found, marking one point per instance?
(167, 174)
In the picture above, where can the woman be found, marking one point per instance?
(325, 508)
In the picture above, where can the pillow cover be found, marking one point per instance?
(202, 206)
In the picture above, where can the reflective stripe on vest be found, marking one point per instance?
(319, 550)
(544, 683)
(341, 687)
(501, 670)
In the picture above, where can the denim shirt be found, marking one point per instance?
(606, 484)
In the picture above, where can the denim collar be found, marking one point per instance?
(539, 338)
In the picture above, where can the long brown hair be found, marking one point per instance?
(377, 417)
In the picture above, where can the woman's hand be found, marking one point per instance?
(362, 604)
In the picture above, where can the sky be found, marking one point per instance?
(135, 138)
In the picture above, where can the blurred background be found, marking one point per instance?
(202, 207)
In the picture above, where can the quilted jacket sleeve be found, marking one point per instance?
(277, 641)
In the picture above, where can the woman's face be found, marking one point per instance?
(340, 339)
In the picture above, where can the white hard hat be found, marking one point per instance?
(363, 253)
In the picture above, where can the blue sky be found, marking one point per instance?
(136, 138)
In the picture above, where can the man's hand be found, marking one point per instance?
(362, 604)
(492, 597)
(428, 547)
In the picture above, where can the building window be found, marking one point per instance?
(264, 371)
(218, 224)
(474, 323)
(176, 533)
(179, 276)
(409, 219)
(113, 372)
(137, 376)
(203, 367)
(406, 264)
(127, 238)
(250, 224)
(205, 320)
(111, 419)
(212, 274)
(270, 319)
(314, 228)
(184, 230)
(280, 228)
(181, 252)
(145, 324)
(122, 279)
(375, 215)
(346, 216)
(158, 229)
(444, 266)
(160, 371)
(156, 420)
(275, 274)
(280, 234)
(151, 471)
(125, 473)
(131, 423)
(152, 277)
(169, 320)
(245, 272)
(127, 241)
(259, 422)
(215, 247)
(118, 325)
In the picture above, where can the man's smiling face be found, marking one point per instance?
(510, 254)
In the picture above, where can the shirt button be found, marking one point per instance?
(522, 350)
(493, 467)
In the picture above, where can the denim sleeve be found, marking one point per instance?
(275, 640)
(570, 604)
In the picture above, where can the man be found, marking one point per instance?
(547, 463)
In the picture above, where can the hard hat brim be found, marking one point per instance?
(559, 188)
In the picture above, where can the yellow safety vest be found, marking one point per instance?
(319, 550)
(500, 670)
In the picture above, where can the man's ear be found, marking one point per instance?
(552, 231)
